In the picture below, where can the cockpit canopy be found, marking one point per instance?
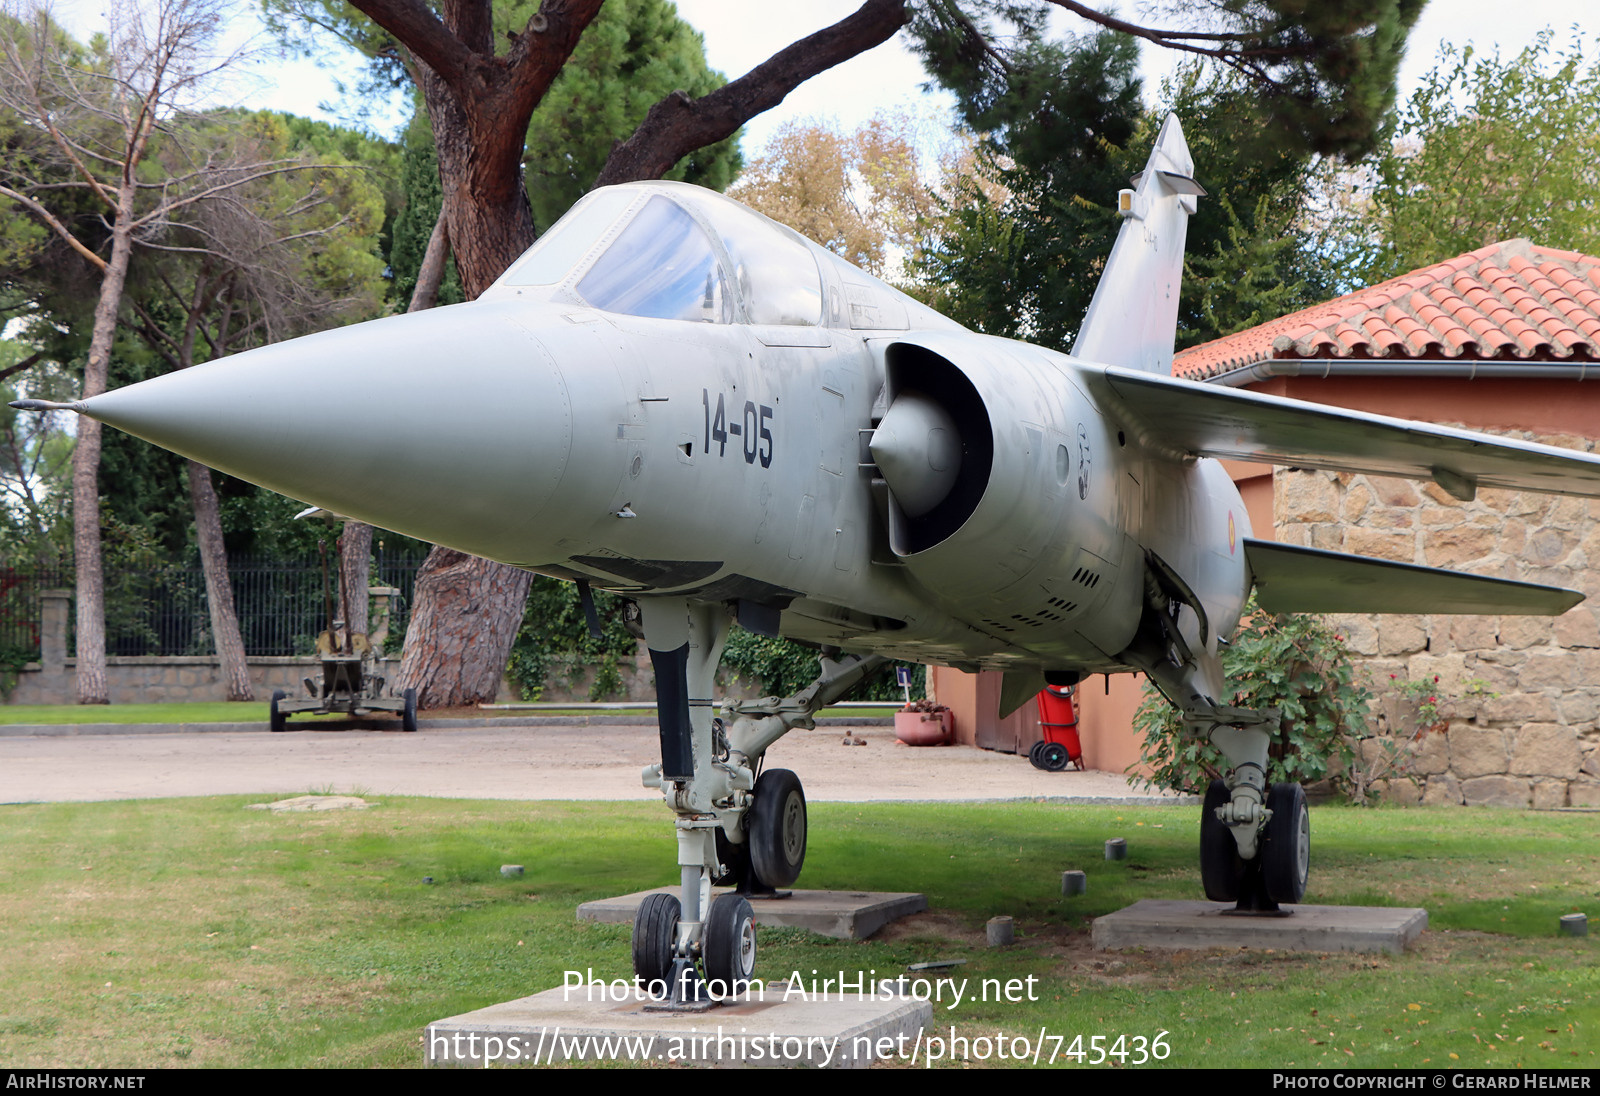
(675, 253)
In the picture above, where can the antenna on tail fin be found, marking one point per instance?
(1133, 318)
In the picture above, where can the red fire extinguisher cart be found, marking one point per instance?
(1058, 719)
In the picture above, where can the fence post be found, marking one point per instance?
(378, 623)
(54, 607)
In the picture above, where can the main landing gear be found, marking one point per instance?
(736, 824)
(1255, 841)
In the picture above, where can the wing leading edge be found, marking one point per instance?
(1204, 420)
(1292, 579)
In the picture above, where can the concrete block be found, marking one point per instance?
(1158, 923)
(1001, 931)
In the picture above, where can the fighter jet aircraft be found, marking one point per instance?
(674, 398)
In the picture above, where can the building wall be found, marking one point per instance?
(1519, 696)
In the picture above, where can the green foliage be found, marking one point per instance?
(555, 639)
(1295, 664)
(1242, 282)
(1251, 254)
(35, 471)
(1009, 258)
(634, 54)
(782, 666)
(1488, 150)
(134, 562)
(419, 179)
(1018, 244)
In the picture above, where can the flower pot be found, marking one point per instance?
(925, 728)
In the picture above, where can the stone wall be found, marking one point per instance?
(169, 679)
(1518, 696)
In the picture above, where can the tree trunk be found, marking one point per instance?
(91, 590)
(431, 273)
(463, 606)
(219, 592)
(355, 574)
(466, 611)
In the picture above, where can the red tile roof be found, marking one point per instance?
(1510, 301)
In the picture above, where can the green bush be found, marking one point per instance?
(785, 667)
(554, 638)
(1300, 666)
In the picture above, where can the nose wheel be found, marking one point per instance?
(729, 948)
(655, 935)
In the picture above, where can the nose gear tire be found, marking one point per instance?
(730, 944)
(655, 931)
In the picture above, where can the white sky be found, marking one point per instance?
(887, 77)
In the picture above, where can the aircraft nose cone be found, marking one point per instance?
(918, 449)
(452, 425)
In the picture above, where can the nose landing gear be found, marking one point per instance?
(732, 826)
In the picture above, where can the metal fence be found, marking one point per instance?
(19, 609)
(280, 606)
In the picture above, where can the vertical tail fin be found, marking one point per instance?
(1133, 318)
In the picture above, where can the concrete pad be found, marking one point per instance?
(1154, 923)
(762, 1029)
(843, 915)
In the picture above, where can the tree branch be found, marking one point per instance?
(56, 226)
(678, 125)
(428, 39)
(17, 367)
(1171, 39)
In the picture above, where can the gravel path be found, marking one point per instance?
(533, 762)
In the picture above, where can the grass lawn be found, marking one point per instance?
(195, 932)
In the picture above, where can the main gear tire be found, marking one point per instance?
(734, 859)
(778, 828)
(1222, 869)
(729, 945)
(1286, 851)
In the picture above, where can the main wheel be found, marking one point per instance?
(408, 718)
(277, 720)
(1286, 853)
(1053, 757)
(655, 932)
(778, 828)
(729, 945)
(1221, 867)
